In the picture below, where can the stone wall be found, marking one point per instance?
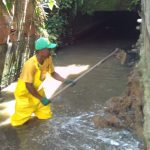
(145, 67)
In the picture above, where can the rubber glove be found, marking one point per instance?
(45, 101)
(71, 82)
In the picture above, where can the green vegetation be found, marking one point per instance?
(135, 5)
(7, 4)
(96, 5)
(50, 18)
(63, 12)
(58, 20)
(109, 5)
(55, 22)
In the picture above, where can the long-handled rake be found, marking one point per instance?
(83, 74)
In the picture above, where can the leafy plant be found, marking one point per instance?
(41, 15)
(65, 4)
(8, 5)
(57, 16)
(55, 26)
(135, 5)
(58, 19)
(52, 3)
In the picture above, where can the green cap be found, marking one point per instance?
(42, 43)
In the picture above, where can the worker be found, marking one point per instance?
(28, 99)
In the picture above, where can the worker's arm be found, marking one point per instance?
(56, 76)
(33, 91)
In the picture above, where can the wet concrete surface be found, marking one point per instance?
(72, 128)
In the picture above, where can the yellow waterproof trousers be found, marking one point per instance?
(26, 104)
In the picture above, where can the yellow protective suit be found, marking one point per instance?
(26, 104)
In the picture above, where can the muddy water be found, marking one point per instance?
(105, 81)
(72, 128)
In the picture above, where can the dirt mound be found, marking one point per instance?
(125, 111)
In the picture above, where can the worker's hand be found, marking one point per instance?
(71, 82)
(45, 101)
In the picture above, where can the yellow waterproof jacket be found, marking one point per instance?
(33, 73)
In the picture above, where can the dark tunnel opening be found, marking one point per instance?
(120, 24)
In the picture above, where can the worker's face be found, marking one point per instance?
(45, 53)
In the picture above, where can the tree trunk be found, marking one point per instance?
(22, 40)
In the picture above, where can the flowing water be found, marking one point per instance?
(68, 133)
(71, 127)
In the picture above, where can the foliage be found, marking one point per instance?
(66, 4)
(40, 17)
(57, 19)
(40, 13)
(53, 16)
(135, 5)
(55, 26)
(77, 7)
(52, 3)
(91, 6)
(135, 2)
(8, 5)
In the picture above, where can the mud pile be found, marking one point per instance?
(125, 111)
